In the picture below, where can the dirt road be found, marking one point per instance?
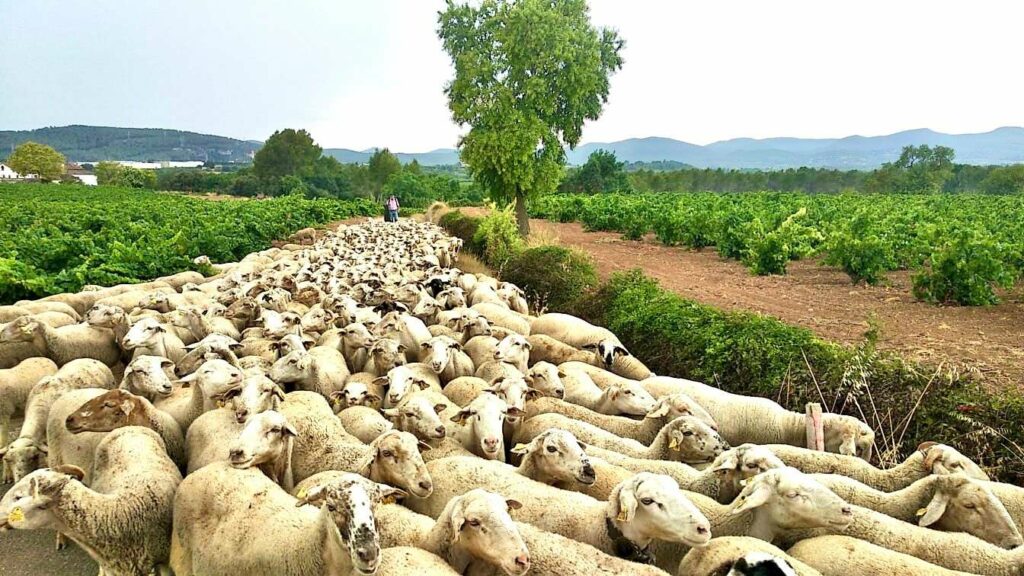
(989, 340)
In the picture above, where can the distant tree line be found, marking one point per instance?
(292, 163)
(919, 170)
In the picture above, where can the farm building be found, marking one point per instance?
(6, 173)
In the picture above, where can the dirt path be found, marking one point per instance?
(989, 340)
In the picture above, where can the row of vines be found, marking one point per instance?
(60, 238)
(962, 248)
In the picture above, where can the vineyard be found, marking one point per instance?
(962, 248)
(60, 238)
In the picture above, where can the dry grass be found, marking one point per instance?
(472, 265)
(538, 238)
(434, 212)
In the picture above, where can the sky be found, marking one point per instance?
(362, 74)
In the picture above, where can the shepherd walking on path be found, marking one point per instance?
(392, 209)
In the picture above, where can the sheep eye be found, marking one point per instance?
(552, 449)
(473, 523)
(687, 433)
(387, 453)
(275, 430)
(628, 392)
(647, 501)
(752, 465)
(332, 507)
(410, 414)
(792, 495)
(970, 506)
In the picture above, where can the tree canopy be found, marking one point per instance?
(286, 153)
(919, 170)
(114, 174)
(38, 159)
(1005, 180)
(381, 166)
(602, 173)
(528, 74)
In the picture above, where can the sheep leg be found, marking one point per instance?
(5, 429)
(62, 542)
(6, 475)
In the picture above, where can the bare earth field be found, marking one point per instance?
(987, 340)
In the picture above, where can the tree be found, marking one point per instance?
(114, 174)
(528, 74)
(602, 173)
(38, 159)
(381, 166)
(286, 153)
(919, 170)
(1005, 180)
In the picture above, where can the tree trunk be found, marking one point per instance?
(522, 218)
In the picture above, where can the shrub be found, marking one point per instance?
(861, 257)
(552, 276)
(964, 271)
(461, 226)
(498, 237)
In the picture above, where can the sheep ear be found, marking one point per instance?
(438, 408)
(312, 496)
(458, 519)
(390, 412)
(425, 345)
(461, 415)
(533, 393)
(380, 380)
(936, 508)
(754, 495)
(423, 446)
(73, 471)
(190, 378)
(289, 430)
(514, 504)
(620, 351)
(562, 374)
(279, 393)
(373, 398)
(661, 409)
(423, 384)
(165, 362)
(401, 348)
(726, 462)
(455, 345)
(389, 494)
(127, 406)
(627, 501)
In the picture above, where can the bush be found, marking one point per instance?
(752, 354)
(964, 271)
(498, 238)
(861, 257)
(464, 227)
(552, 276)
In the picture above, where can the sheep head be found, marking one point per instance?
(354, 393)
(27, 505)
(111, 410)
(22, 456)
(557, 457)
(650, 506)
(438, 352)
(546, 378)
(417, 415)
(785, 498)
(147, 376)
(256, 394)
(942, 459)
(479, 523)
(737, 465)
(676, 405)
(963, 504)
(394, 458)
(607, 350)
(690, 440)
(629, 398)
(847, 435)
(485, 416)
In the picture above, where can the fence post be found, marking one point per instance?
(815, 430)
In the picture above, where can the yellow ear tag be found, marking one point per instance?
(921, 512)
(16, 515)
(220, 404)
(301, 494)
(387, 500)
(673, 444)
(518, 447)
(622, 516)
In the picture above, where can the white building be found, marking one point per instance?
(156, 165)
(7, 174)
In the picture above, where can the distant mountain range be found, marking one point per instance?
(1000, 146)
(96, 143)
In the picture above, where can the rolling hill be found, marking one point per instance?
(1000, 146)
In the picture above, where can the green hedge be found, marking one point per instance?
(552, 276)
(464, 227)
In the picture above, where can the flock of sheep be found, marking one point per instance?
(360, 405)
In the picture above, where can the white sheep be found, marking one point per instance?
(546, 378)
(842, 556)
(581, 334)
(408, 330)
(406, 379)
(123, 521)
(62, 345)
(628, 399)
(481, 426)
(952, 502)
(384, 355)
(359, 390)
(15, 385)
(743, 419)
(65, 447)
(420, 414)
(446, 358)
(364, 423)
(745, 556)
(210, 381)
(657, 414)
(321, 370)
(498, 314)
(217, 507)
(685, 438)
(929, 458)
(147, 376)
(151, 338)
(265, 442)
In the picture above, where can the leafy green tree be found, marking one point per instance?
(602, 173)
(414, 167)
(528, 74)
(114, 174)
(1005, 180)
(286, 153)
(919, 170)
(38, 159)
(381, 166)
